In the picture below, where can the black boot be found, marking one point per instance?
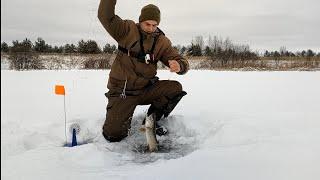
(165, 111)
(173, 103)
(161, 130)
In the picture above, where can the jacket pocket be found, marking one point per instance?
(112, 102)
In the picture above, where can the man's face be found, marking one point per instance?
(149, 26)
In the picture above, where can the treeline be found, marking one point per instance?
(40, 46)
(25, 55)
(214, 52)
(283, 52)
(222, 53)
(220, 48)
(215, 47)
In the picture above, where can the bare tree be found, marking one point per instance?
(198, 41)
(283, 51)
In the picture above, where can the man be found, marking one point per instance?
(132, 79)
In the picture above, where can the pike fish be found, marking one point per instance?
(150, 131)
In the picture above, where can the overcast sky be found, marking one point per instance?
(262, 24)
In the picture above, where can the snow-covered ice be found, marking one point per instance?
(231, 125)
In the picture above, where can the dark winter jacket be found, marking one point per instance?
(127, 70)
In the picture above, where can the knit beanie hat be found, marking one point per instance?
(150, 12)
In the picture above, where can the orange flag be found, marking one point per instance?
(60, 90)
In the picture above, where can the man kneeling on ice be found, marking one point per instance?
(132, 79)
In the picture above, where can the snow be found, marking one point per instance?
(231, 125)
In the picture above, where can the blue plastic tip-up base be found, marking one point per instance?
(74, 139)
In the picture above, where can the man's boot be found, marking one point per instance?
(165, 111)
(173, 103)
